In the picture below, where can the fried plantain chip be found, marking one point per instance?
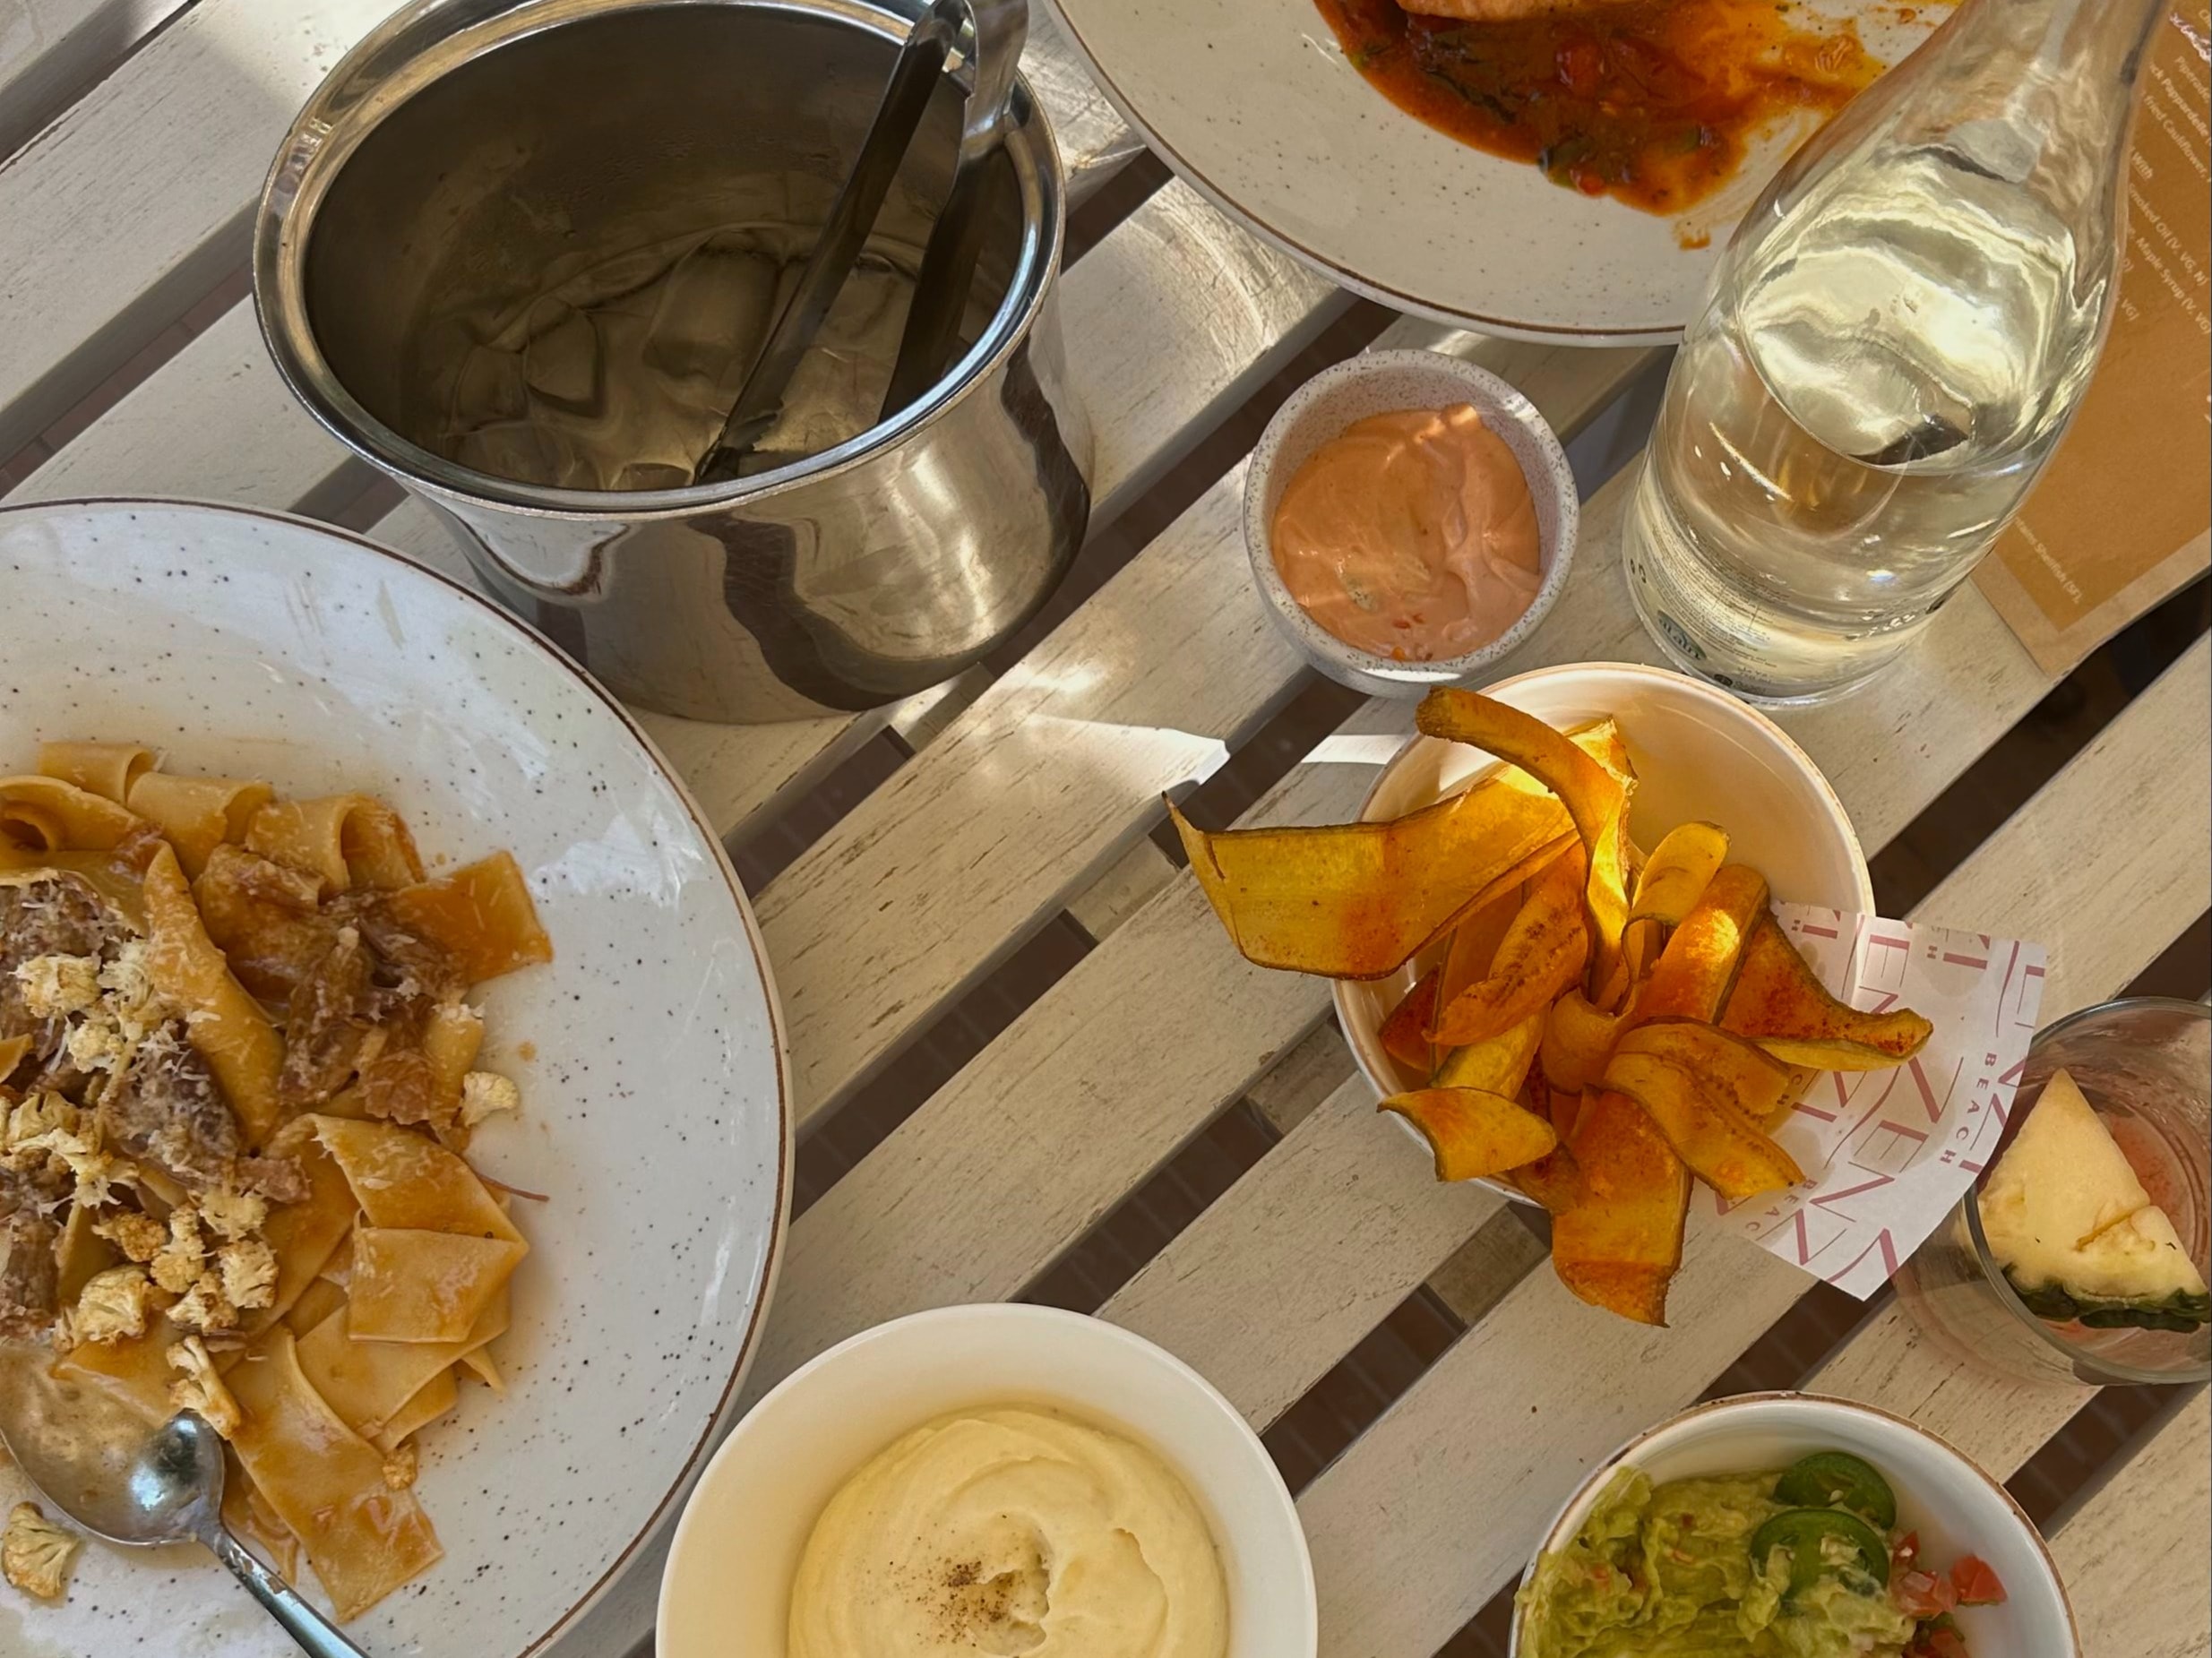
(1780, 1004)
(1699, 1120)
(1355, 901)
(1620, 1246)
(1752, 1081)
(1406, 1032)
(1801, 1080)
(1499, 1064)
(1600, 739)
(1555, 1180)
(1692, 977)
(1595, 794)
(1577, 1041)
(1679, 869)
(1473, 1132)
(1473, 943)
(1543, 952)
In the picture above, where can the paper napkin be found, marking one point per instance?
(1890, 1153)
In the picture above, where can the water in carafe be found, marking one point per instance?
(1891, 351)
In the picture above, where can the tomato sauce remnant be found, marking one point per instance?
(1650, 101)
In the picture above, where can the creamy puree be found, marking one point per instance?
(1015, 1534)
(1411, 535)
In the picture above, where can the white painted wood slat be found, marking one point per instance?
(1282, 1295)
(1131, 1054)
(51, 51)
(1404, 1561)
(213, 422)
(2134, 1556)
(1059, 768)
(131, 205)
(1043, 783)
(1095, 143)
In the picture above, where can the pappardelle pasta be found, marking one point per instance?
(238, 1081)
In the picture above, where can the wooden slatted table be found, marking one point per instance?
(134, 136)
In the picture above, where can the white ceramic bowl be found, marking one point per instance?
(727, 1591)
(655, 1107)
(1380, 383)
(1698, 753)
(1955, 1506)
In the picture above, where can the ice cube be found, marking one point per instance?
(561, 361)
(521, 452)
(712, 312)
(652, 475)
(487, 388)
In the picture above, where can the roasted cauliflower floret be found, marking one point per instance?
(181, 1261)
(139, 1236)
(96, 1173)
(198, 1387)
(112, 1306)
(485, 1091)
(233, 1215)
(36, 1554)
(248, 1270)
(130, 995)
(34, 1116)
(402, 1466)
(204, 1308)
(56, 986)
(96, 1043)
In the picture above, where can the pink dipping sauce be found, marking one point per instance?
(1411, 535)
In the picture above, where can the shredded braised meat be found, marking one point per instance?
(266, 919)
(27, 1300)
(166, 1109)
(360, 1011)
(328, 1025)
(54, 913)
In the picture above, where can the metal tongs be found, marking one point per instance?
(989, 34)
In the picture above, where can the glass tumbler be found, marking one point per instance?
(2146, 1065)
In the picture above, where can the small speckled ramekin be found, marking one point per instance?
(1379, 383)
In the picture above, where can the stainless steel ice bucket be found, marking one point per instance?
(469, 142)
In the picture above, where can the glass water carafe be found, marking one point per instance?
(1889, 350)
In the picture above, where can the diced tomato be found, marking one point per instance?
(1906, 1554)
(1922, 1594)
(1941, 1643)
(1977, 1583)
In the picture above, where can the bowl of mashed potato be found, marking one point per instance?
(990, 1480)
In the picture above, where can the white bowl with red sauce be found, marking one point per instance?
(1387, 382)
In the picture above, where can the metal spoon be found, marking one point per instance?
(99, 1464)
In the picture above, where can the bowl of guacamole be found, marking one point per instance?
(1782, 1525)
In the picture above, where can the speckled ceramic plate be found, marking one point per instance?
(1253, 103)
(656, 1114)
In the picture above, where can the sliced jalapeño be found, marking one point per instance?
(1839, 1480)
(1823, 1542)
